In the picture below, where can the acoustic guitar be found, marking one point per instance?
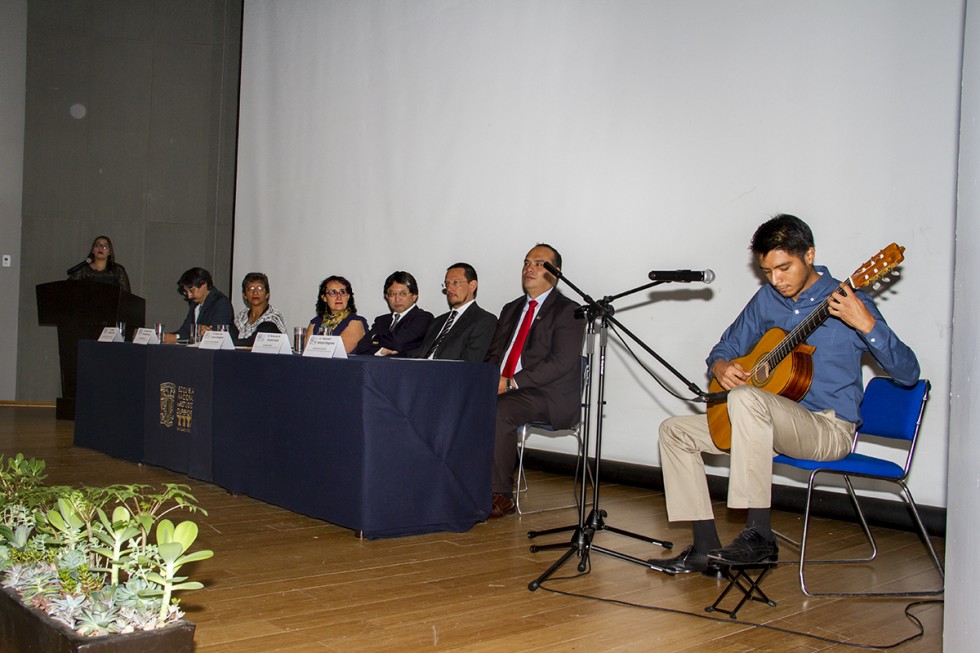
(782, 363)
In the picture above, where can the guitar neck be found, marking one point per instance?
(798, 335)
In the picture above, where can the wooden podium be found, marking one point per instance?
(80, 310)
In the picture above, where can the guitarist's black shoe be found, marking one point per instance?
(748, 548)
(689, 561)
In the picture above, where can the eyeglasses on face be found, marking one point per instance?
(337, 293)
(455, 283)
(393, 294)
(100, 246)
(255, 289)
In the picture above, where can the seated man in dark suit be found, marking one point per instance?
(538, 345)
(464, 332)
(208, 307)
(400, 332)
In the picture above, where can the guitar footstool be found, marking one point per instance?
(746, 578)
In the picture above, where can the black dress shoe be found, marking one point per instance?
(502, 506)
(750, 547)
(689, 561)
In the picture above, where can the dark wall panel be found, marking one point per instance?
(130, 131)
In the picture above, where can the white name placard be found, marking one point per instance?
(271, 343)
(216, 340)
(325, 347)
(111, 334)
(145, 336)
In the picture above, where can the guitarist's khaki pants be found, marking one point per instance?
(762, 423)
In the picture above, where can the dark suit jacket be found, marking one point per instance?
(216, 309)
(467, 340)
(405, 339)
(551, 360)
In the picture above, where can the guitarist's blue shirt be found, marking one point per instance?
(838, 383)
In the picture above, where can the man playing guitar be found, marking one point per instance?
(820, 427)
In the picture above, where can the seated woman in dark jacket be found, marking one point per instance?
(258, 316)
(336, 313)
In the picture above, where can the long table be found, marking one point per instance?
(385, 447)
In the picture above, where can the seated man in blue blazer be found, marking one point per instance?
(400, 332)
(208, 307)
(464, 333)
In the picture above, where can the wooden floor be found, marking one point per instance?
(285, 582)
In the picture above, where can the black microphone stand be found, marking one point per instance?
(581, 544)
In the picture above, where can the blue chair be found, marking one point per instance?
(887, 411)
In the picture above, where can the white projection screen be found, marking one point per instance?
(632, 135)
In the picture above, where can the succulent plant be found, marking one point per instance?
(86, 556)
(67, 608)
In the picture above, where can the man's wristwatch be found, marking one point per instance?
(510, 385)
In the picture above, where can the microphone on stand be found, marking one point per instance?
(75, 268)
(685, 276)
(552, 269)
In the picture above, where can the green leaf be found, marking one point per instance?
(120, 514)
(170, 551)
(193, 585)
(165, 532)
(194, 557)
(186, 533)
(56, 520)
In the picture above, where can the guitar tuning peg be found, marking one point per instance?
(896, 273)
(876, 285)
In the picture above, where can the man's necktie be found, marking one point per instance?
(394, 321)
(442, 334)
(515, 351)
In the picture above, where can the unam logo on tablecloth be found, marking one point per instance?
(185, 408)
(167, 393)
(176, 405)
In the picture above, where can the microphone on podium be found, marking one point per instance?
(75, 268)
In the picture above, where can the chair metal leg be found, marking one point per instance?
(522, 486)
(924, 534)
(871, 541)
(869, 536)
(521, 476)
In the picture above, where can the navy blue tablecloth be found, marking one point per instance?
(179, 397)
(110, 404)
(385, 447)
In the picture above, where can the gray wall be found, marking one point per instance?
(13, 61)
(963, 510)
(131, 122)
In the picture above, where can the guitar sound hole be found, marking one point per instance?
(760, 374)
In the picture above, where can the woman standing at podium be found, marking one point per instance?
(100, 265)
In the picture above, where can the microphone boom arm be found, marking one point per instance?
(604, 308)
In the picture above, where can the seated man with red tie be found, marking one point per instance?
(538, 345)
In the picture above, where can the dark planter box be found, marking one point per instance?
(25, 629)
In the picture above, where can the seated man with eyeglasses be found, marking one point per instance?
(464, 333)
(400, 332)
(207, 307)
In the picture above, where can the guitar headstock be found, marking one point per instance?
(878, 266)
